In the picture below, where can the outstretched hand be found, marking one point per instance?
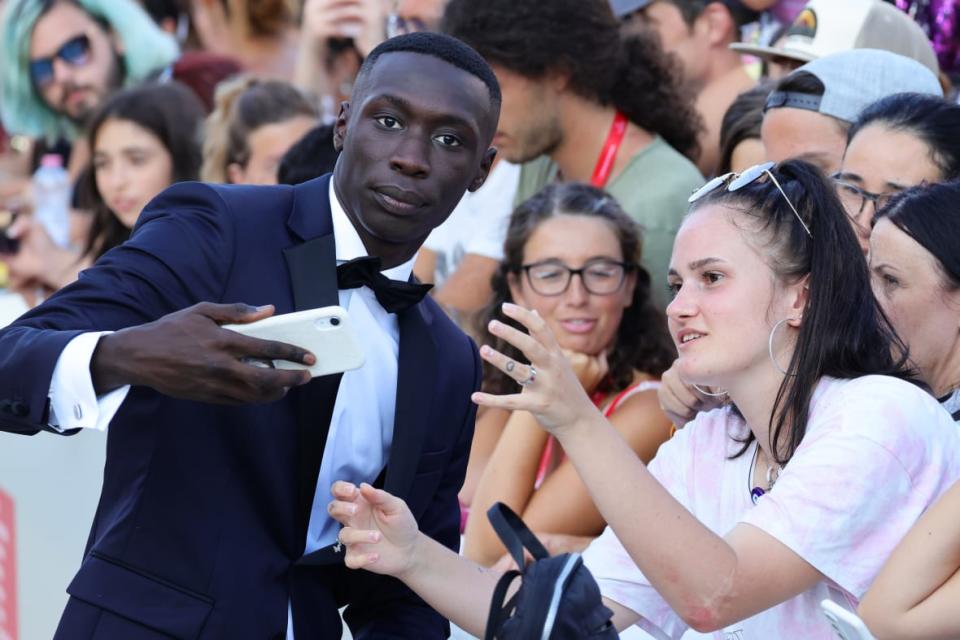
(379, 532)
(550, 390)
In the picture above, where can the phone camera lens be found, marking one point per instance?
(335, 321)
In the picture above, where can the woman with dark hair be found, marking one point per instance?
(915, 269)
(142, 140)
(754, 513)
(897, 142)
(615, 339)
(915, 265)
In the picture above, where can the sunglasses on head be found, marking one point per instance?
(74, 52)
(734, 181)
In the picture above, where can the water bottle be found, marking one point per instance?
(51, 195)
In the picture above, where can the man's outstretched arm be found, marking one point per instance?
(180, 255)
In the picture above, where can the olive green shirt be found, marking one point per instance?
(653, 189)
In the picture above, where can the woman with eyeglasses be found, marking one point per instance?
(573, 256)
(897, 142)
(752, 514)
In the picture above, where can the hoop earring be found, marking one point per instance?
(707, 393)
(770, 348)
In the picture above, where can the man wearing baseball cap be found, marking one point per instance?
(699, 33)
(809, 112)
(831, 26)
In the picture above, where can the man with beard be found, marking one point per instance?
(582, 103)
(62, 58)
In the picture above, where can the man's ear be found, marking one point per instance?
(340, 126)
(485, 164)
(719, 23)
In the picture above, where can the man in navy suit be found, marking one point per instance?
(212, 521)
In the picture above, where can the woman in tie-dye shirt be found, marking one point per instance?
(794, 492)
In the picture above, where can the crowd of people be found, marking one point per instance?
(710, 250)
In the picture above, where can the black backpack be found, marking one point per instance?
(558, 598)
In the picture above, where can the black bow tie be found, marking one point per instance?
(394, 296)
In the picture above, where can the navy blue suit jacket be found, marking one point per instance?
(201, 524)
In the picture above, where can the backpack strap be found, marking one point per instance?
(500, 612)
(514, 534)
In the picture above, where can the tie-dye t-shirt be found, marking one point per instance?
(876, 453)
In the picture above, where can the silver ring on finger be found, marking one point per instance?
(531, 378)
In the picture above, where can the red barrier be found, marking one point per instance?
(8, 569)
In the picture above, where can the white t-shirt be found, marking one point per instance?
(479, 223)
(877, 452)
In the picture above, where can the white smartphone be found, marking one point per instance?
(325, 332)
(847, 625)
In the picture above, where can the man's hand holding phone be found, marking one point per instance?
(189, 355)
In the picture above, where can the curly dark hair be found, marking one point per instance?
(642, 342)
(582, 38)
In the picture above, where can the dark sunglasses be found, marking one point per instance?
(733, 181)
(74, 52)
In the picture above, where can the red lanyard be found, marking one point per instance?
(601, 172)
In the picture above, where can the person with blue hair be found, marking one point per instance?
(63, 58)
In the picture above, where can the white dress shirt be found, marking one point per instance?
(361, 427)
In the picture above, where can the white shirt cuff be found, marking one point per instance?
(73, 402)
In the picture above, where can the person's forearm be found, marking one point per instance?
(918, 588)
(509, 478)
(459, 589)
(690, 566)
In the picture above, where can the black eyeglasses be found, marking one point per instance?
(600, 276)
(733, 181)
(74, 52)
(854, 199)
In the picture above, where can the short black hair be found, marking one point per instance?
(442, 47)
(928, 214)
(310, 157)
(935, 121)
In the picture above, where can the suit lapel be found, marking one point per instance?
(313, 277)
(416, 377)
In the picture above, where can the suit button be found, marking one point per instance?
(19, 409)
